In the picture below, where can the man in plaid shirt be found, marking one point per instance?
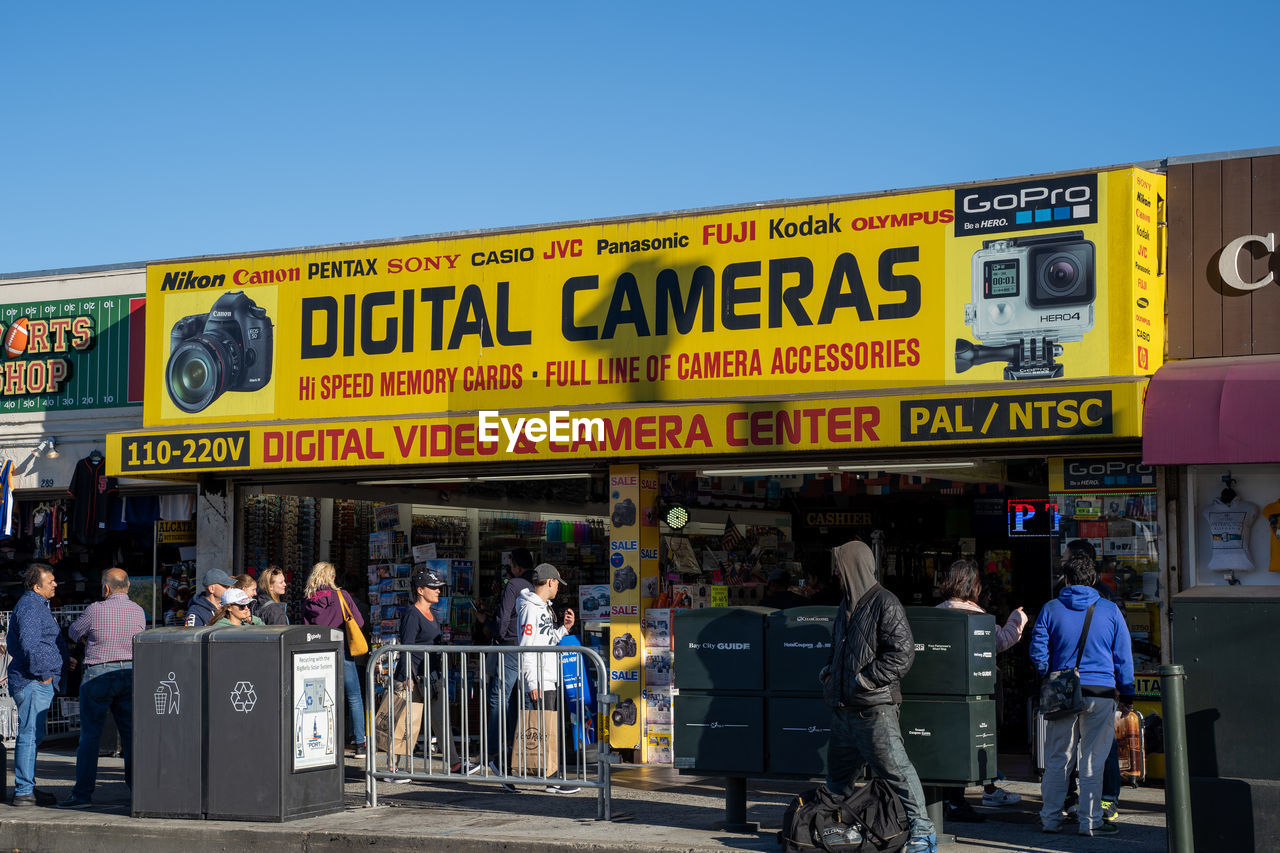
(107, 628)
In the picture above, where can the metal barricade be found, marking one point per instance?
(526, 737)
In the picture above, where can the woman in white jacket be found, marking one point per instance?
(536, 626)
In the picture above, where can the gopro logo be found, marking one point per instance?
(1043, 203)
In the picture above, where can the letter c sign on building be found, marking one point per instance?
(1227, 262)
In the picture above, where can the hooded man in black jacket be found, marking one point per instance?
(872, 649)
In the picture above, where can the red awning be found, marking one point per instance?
(1213, 410)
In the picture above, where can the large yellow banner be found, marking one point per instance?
(989, 414)
(1032, 279)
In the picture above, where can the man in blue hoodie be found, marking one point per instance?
(1106, 668)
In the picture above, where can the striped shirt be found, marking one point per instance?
(107, 628)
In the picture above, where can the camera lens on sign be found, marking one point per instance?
(1061, 275)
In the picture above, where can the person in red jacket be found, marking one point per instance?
(322, 606)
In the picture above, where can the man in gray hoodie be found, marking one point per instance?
(872, 649)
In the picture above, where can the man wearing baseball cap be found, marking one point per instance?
(213, 583)
(540, 673)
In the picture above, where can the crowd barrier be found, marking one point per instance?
(550, 741)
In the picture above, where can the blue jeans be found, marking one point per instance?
(33, 708)
(355, 705)
(106, 687)
(1111, 775)
(501, 686)
(862, 736)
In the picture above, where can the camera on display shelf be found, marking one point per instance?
(227, 349)
(625, 714)
(1030, 294)
(624, 513)
(624, 579)
(590, 603)
(624, 647)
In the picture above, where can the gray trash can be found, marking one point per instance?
(276, 722)
(168, 722)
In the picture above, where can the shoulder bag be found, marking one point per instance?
(357, 645)
(1060, 695)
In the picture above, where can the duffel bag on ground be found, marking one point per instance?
(869, 820)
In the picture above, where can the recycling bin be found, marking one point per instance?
(797, 647)
(955, 653)
(169, 722)
(720, 648)
(950, 739)
(719, 733)
(276, 730)
(799, 730)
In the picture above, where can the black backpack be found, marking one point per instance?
(870, 820)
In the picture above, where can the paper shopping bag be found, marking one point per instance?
(536, 748)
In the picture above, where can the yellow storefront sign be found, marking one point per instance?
(1048, 278)
(976, 415)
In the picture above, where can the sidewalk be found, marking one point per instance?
(655, 810)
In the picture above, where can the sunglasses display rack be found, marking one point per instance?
(284, 531)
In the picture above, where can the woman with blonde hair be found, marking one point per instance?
(323, 605)
(270, 597)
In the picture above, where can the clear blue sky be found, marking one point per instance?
(139, 131)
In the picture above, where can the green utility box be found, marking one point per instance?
(797, 646)
(955, 653)
(950, 739)
(799, 731)
(719, 733)
(720, 648)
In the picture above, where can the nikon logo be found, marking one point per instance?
(813, 619)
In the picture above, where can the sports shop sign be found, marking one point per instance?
(71, 354)
(1050, 278)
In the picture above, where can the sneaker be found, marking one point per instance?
(1001, 797)
(961, 813)
(1103, 828)
(561, 789)
(506, 786)
(1110, 813)
(74, 802)
(469, 767)
(360, 752)
(1071, 805)
(1048, 829)
(922, 844)
(393, 780)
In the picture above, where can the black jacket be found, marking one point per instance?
(870, 653)
(270, 611)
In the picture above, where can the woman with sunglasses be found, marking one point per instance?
(235, 609)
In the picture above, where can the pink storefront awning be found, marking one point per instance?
(1213, 410)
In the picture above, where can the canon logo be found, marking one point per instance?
(1027, 196)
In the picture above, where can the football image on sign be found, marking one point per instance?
(16, 338)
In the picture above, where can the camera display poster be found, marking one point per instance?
(1055, 278)
(633, 559)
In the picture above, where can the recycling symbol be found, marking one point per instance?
(243, 697)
